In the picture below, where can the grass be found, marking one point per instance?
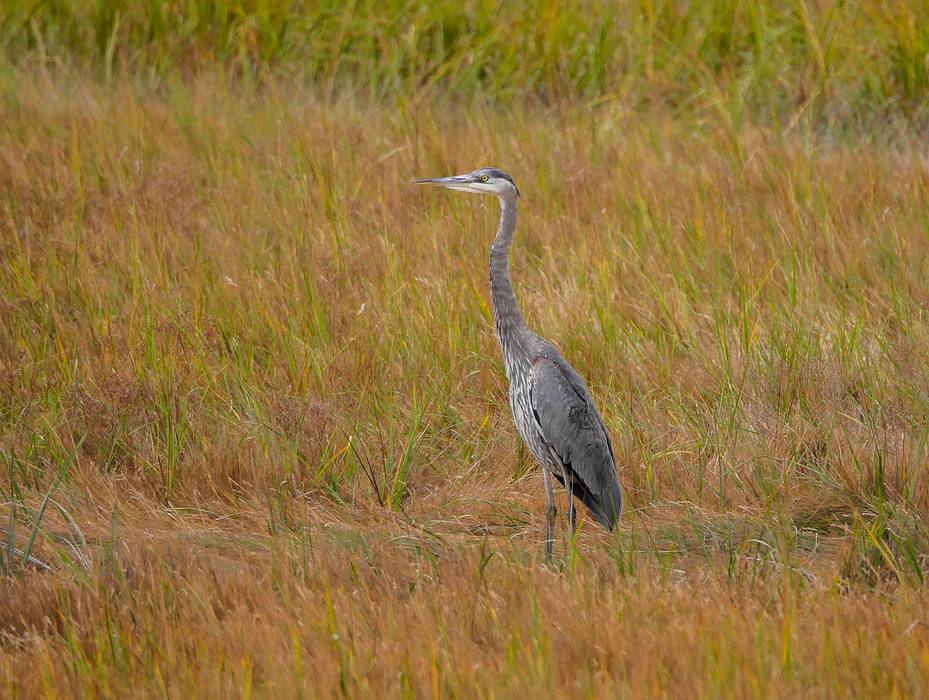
(253, 415)
(841, 64)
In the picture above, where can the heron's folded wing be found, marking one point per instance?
(572, 426)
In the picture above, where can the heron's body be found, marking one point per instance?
(552, 407)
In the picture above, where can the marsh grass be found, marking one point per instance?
(839, 64)
(253, 414)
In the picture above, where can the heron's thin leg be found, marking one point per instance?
(572, 513)
(569, 489)
(549, 515)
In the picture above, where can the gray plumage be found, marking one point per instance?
(553, 409)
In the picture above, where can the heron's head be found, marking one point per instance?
(483, 181)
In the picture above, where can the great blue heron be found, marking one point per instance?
(552, 406)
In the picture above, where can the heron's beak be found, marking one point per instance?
(456, 182)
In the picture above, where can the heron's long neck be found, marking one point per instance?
(511, 328)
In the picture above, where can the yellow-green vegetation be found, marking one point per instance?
(252, 411)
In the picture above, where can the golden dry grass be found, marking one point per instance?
(254, 367)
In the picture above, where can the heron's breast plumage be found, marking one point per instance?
(518, 367)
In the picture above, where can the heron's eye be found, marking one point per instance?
(484, 178)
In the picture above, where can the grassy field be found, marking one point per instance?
(253, 414)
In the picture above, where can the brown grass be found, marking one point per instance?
(255, 369)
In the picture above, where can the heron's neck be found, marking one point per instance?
(511, 328)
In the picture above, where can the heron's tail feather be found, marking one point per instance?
(606, 507)
(612, 506)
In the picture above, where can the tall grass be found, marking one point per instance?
(254, 427)
(834, 61)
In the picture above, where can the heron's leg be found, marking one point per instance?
(549, 515)
(572, 513)
(569, 489)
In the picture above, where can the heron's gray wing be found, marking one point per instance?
(573, 428)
